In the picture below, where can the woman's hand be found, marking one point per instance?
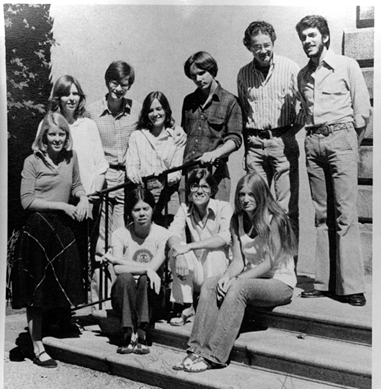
(179, 249)
(70, 210)
(223, 285)
(82, 209)
(154, 280)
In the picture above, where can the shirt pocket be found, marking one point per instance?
(216, 123)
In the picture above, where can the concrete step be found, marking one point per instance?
(95, 351)
(323, 317)
(291, 352)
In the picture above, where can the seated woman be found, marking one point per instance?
(152, 149)
(138, 251)
(261, 274)
(49, 275)
(199, 242)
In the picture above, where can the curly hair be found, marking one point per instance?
(256, 28)
(314, 21)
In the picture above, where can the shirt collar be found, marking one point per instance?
(212, 207)
(272, 62)
(216, 95)
(126, 106)
(328, 60)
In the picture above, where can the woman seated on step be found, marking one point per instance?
(153, 149)
(138, 251)
(199, 242)
(261, 274)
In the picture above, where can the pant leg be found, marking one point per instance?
(228, 318)
(142, 307)
(343, 160)
(257, 160)
(124, 299)
(182, 288)
(115, 220)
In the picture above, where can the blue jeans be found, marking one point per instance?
(276, 160)
(332, 172)
(215, 327)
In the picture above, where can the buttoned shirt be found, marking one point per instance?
(270, 102)
(152, 155)
(115, 131)
(209, 127)
(334, 92)
(215, 223)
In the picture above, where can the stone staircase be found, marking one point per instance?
(310, 343)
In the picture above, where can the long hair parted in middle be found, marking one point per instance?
(266, 205)
(133, 197)
(62, 88)
(144, 122)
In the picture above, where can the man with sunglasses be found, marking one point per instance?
(267, 91)
(199, 242)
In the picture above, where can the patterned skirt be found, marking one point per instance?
(46, 272)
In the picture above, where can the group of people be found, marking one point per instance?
(221, 259)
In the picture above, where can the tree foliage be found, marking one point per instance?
(28, 43)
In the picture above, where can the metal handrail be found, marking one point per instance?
(104, 193)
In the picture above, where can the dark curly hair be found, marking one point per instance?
(258, 27)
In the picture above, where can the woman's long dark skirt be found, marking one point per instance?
(47, 270)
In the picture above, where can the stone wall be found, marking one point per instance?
(358, 43)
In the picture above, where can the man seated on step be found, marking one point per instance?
(199, 242)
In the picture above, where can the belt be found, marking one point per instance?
(268, 134)
(325, 129)
(117, 167)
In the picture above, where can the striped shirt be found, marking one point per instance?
(115, 131)
(271, 102)
(152, 155)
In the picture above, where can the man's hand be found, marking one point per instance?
(180, 136)
(181, 266)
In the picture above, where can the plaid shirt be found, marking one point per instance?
(211, 126)
(115, 131)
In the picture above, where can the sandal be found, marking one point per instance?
(182, 318)
(186, 362)
(198, 366)
(48, 363)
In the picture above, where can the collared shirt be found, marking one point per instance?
(152, 155)
(334, 92)
(115, 131)
(270, 102)
(215, 223)
(211, 126)
(43, 180)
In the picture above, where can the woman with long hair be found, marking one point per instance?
(68, 98)
(152, 150)
(48, 275)
(261, 274)
(137, 254)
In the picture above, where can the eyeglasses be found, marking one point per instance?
(115, 84)
(205, 188)
(258, 48)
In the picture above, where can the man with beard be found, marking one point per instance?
(336, 107)
(267, 91)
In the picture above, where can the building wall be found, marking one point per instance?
(157, 39)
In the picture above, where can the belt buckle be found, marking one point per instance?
(264, 134)
(325, 130)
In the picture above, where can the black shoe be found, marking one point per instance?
(50, 363)
(357, 300)
(314, 293)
